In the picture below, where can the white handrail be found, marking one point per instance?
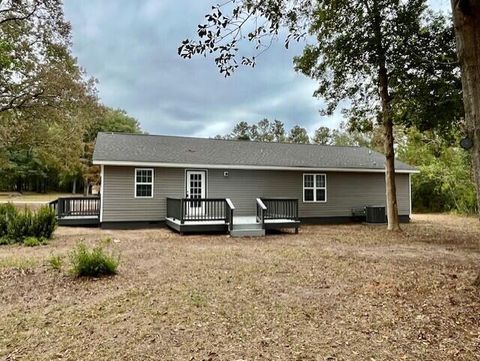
(230, 203)
(261, 204)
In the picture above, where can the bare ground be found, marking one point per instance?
(329, 293)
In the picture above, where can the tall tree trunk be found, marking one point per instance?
(466, 19)
(391, 190)
(85, 187)
(74, 186)
(387, 119)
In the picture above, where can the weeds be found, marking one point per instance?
(34, 241)
(55, 262)
(94, 262)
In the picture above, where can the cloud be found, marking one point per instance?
(131, 48)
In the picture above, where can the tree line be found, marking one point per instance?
(49, 109)
(274, 131)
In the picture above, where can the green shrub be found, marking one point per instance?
(44, 222)
(55, 262)
(17, 226)
(31, 242)
(93, 262)
(7, 212)
(34, 241)
(20, 226)
(4, 240)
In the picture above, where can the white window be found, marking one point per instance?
(314, 187)
(143, 183)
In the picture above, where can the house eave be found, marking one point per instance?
(246, 167)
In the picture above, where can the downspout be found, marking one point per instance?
(102, 182)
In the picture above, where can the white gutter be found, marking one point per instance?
(246, 167)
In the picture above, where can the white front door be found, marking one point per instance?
(196, 186)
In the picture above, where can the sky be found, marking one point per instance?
(130, 47)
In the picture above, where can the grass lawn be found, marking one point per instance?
(31, 200)
(329, 293)
(29, 197)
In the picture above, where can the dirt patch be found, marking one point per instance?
(329, 293)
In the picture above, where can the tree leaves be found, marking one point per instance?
(221, 33)
(34, 36)
(445, 181)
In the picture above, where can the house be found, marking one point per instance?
(245, 187)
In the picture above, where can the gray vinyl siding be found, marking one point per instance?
(344, 191)
(120, 204)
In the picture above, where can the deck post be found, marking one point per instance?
(60, 207)
(229, 208)
(296, 212)
(182, 211)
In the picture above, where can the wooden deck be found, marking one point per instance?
(217, 215)
(193, 215)
(196, 226)
(77, 211)
(241, 222)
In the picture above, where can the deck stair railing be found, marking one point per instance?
(261, 209)
(277, 208)
(201, 210)
(230, 209)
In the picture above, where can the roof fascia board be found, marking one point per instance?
(246, 167)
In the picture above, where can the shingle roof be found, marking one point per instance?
(129, 148)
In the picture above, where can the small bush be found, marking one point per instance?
(20, 226)
(34, 241)
(93, 262)
(44, 222)
(4, 240)
(17, 226)
(7, 212)
(55, 262)
(31, 242)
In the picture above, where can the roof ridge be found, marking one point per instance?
(239, 140)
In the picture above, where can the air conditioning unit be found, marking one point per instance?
(375, 214)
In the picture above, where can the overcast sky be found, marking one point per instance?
(131, 48)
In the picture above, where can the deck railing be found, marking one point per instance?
(279, 208)
(54, 205)
(230, 209)
(261, 208)
(76, 206)
(200, 209)
(174, 208)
